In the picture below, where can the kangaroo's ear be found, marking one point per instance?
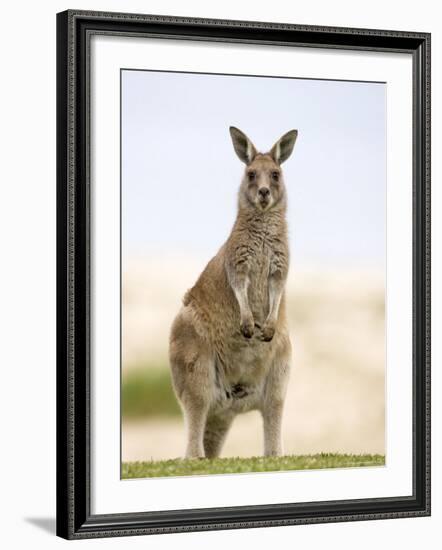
(284, 146)
(244, 148)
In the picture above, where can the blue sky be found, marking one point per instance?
(180, 175)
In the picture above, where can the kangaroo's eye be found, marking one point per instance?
(275, 176)
(251, 175)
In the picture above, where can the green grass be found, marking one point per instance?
(148, 392)
(184, 467)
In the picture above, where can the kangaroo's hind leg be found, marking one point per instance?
(195, 414)
(215, 433)
(192, 375)
(273, 402)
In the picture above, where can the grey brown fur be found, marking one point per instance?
(229, 344)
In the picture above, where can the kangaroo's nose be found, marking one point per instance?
(264, 192)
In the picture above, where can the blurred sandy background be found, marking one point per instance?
(335, 400)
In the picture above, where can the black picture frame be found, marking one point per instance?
(74, 518)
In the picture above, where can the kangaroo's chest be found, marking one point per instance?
(261, 263)
(259, 278)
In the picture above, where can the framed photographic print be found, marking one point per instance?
(243, 274)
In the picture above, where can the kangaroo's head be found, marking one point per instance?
(262, 186)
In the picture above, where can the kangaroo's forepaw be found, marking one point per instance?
(267, 333)
(247, 328)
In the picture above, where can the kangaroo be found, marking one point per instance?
(229, 344)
